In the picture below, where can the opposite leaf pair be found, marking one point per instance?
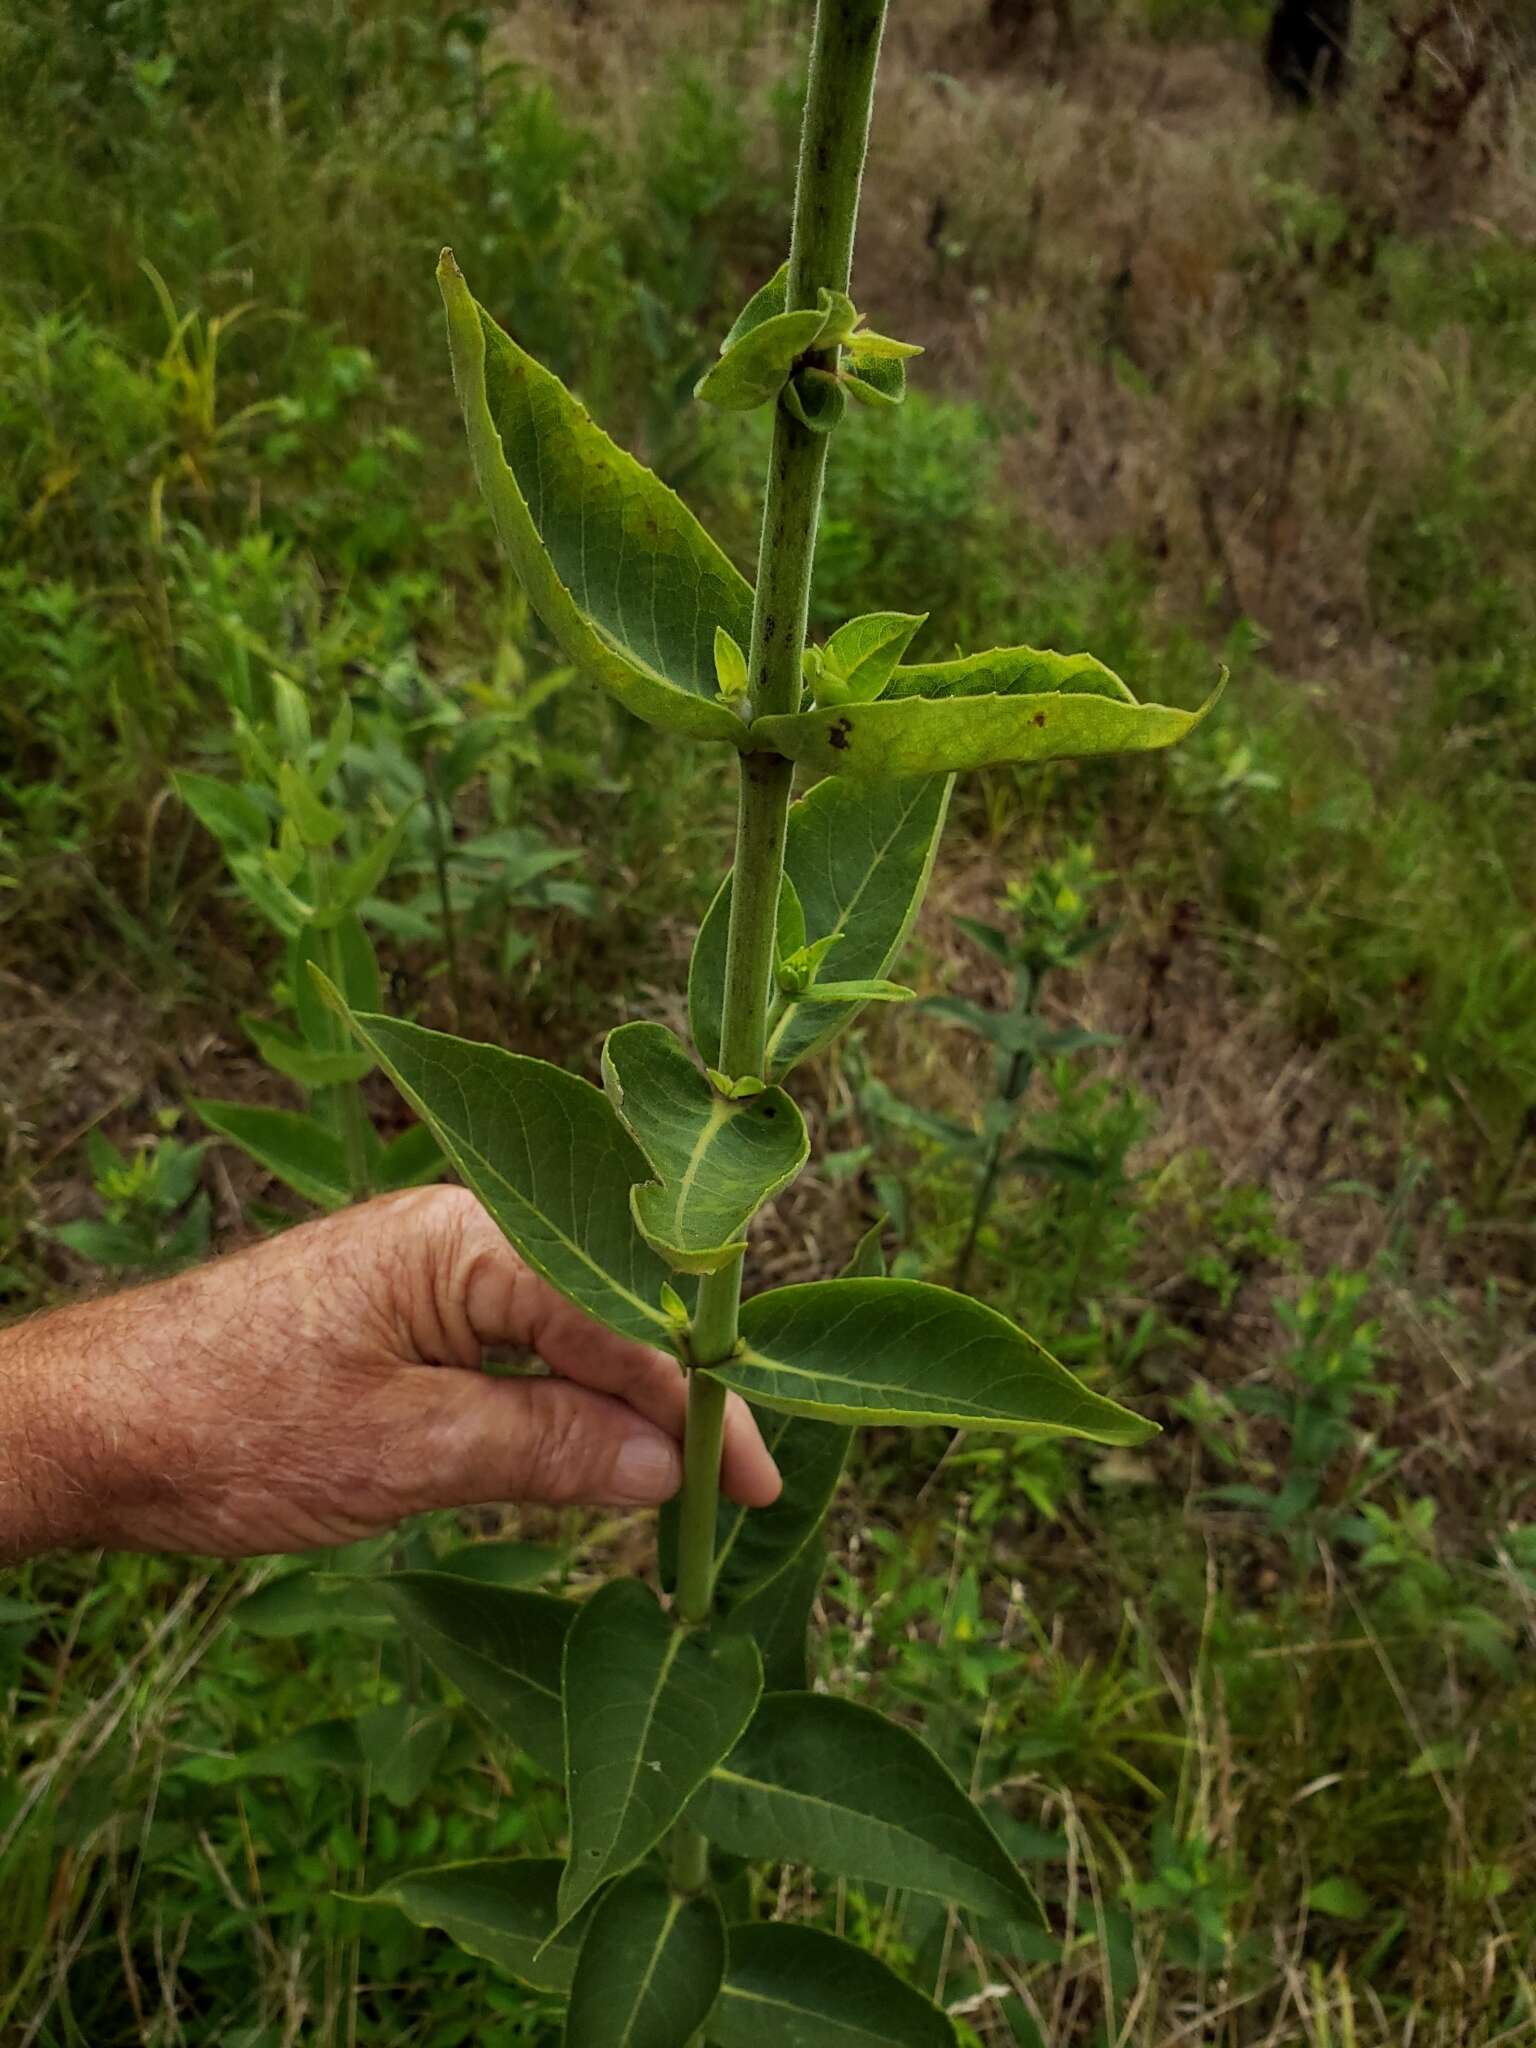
(761, 358)
(650, 1722)
(637, 594)
(556, 1166)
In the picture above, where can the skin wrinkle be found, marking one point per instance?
(319, 1387)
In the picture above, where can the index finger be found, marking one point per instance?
(507, 1302)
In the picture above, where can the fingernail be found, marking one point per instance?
(648, 1468)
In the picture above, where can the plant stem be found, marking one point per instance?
(346, 1095)
(982, 1200)
(438, 809)
(696, 1520)
(834, 136)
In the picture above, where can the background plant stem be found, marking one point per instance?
(986, 1184)
(347, 1096)
(833, 140)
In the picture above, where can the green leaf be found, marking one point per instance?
(876, 347)
(859, 992)
(653, 1707)
(403, 1744)
(649, 1970)
(304, 1153)
(322, 1027)
(357, 879)
(857, 859)
(322, 1746)
(804, 1989)
(1340, 1897)
(752, 1545)
(622, 574)
(873, 376)
(730, 665)
(335, 748)
(412, 1160)
(287, 1055)
(777, 1615)
(546, 1153)
(503, 1562)
(867, 1260)
(816, 398)
(754, 367)
(269, 893)
(501, 1910)
(291, 710)
(1012, 672)
(233, 816)
(906, 734)
(501, 1646)
(857, 663)
(901, 1351)
(107, 1244)
(306, 1602)
(765, 303)
(824, 1782)
(314, 821)
(716, 1160)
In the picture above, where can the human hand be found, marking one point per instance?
(304, 1392)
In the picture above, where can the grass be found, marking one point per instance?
(1203, 385)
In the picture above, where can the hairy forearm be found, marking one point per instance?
(94, 1430)
(319, 1387)
(52, 1460)
(113, 1413)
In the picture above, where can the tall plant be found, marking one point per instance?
(686, 1728)
(284, 834)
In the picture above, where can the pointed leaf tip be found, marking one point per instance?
(826, 1782)
(1010, 704)
(501, 1909)
(906, 1352)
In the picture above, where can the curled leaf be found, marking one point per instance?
(753, 370)
(1015, 704)
(873, 378)
(716, 1157)
(816, 399)
(858, 662)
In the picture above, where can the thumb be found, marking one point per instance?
(475, 1441)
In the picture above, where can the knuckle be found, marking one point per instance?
(566, 1454)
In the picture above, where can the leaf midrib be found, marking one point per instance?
(509, 1671)
(717, 1120)
(664, 1933)
(750, 1355)
(785, 2005)
(830, 1807)
(673, 1650)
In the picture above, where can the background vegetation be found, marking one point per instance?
(1205, 382)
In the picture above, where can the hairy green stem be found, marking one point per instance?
(834, 137)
